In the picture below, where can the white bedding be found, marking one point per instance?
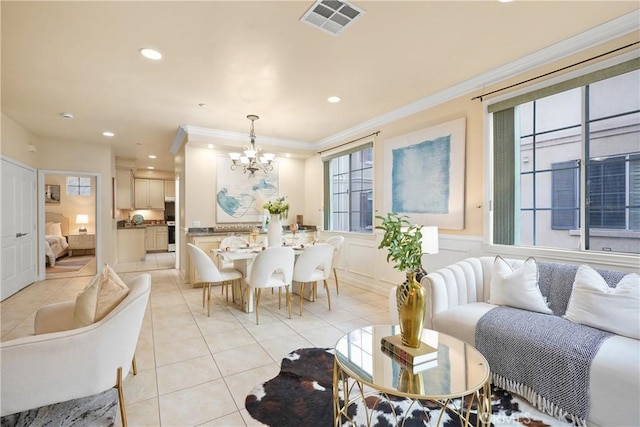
(54, 247)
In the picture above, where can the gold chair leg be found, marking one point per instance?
(257, 294)
(209, 300)
(335, 275)
(326, 288)
(123, 412)
(134, 366)
(288, 297)
(301, 296)
(204, 290)
(279, 298)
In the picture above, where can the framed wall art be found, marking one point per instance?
(51, 193)
(424, 175)
(239, 196)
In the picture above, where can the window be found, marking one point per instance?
(78, 186)
(567, 164)
(349, 190)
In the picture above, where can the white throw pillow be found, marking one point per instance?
(517, 288)
(102, 295)
(53, 229)
(594, 303)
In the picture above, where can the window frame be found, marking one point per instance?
(587, 73)
(348, 149)
(78, 186)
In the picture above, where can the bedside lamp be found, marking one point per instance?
(82, 220)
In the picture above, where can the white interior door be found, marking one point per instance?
(18, 228)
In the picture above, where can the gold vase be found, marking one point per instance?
(408, 382)
(410, 297)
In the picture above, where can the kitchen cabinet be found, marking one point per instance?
(149, 193)
(170, 190)
(157, 238)
(124, 189)
(131, 244)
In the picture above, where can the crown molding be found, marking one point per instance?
(603, 33)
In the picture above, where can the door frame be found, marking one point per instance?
(42, 259)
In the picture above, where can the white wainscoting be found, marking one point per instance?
(363, 264)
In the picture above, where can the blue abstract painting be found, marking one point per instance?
(420, 181)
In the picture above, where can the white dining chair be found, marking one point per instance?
(209, 274)
(272, 268)
(336, 242)
(313, 265)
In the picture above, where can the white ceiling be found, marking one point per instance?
(255, 57)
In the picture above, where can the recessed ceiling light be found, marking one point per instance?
(210, 146)
(333, 99)
(150, 167)
(67, 116)
(202, 105)
(287, 155)
(151, 54)
(153, 156)
(109, 134)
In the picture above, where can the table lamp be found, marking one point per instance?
(82, 220)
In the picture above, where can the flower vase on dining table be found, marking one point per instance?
(274, 233)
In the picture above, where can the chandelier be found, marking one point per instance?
(252, 160)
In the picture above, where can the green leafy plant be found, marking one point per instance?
(402, 241)
(278, 207)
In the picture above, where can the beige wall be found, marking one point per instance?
(200, 186)
(15, 141)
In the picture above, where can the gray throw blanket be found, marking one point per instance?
(544, 358)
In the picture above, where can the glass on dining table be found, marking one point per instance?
(294, 229)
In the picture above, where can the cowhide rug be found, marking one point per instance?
(301, 395)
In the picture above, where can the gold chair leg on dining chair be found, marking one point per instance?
(326, 288)
(301, 296)
(257, 294)
(209, 300)
(134, 366)
(288, 297)
(335, 275)
(123, 412)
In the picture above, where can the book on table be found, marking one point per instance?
(410, 355)
(414, 369)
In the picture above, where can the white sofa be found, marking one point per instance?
(59, 363)
(457, 298)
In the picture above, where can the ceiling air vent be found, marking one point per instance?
(331, 16)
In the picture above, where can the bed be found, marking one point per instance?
(56, 230)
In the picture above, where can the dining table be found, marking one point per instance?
(242, 259)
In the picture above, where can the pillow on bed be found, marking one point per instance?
(102, 295)
(53, 229)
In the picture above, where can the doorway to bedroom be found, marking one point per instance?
(69, 224)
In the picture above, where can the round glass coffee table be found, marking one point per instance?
(364, 373)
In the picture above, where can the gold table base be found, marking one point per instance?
(344, 385)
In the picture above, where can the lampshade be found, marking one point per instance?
(429, 239)
(82, 219)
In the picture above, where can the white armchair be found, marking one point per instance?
(59, 364)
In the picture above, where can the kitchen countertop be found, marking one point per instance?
(224, 231)
(135, 226)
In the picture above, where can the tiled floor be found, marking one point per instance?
(196, 370)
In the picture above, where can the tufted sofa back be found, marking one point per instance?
(469, 281)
